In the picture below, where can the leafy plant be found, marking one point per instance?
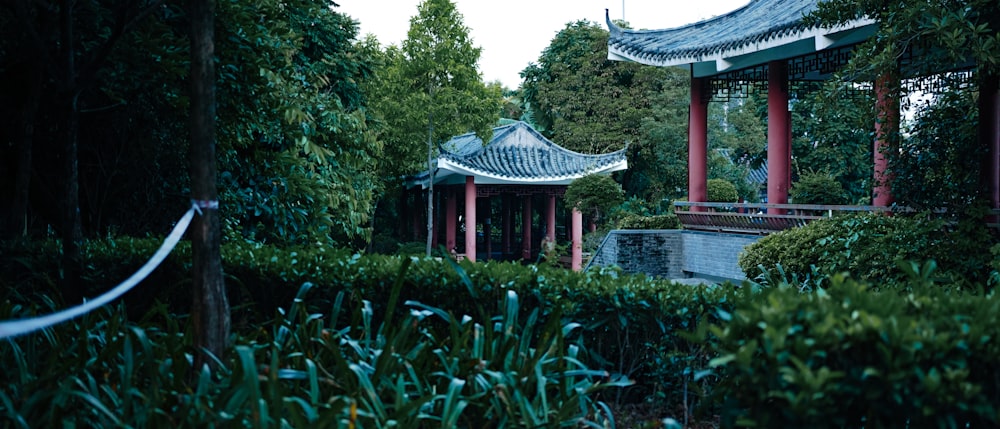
(818, 188)
(720, 190)
(594, 195)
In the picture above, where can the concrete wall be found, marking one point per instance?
(674, 253)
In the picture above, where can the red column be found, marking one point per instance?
(470, 218)
(437, 221)
(778, 155)
(698, 142)
(886, 128)
(451, 218)
(577, 262)
(507, 214)
(526, 228)
(550, 220)
(989, 132)
(418, 216)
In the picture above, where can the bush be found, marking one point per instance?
(869, 246)
(818, 188)
(667, 221)
(306, 370)
(848, 356)
(720, 191)
(631, 323)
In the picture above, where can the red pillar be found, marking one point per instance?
(417, 218)
(886, 129)
(989, 132)
(526, 228)
(698, 143)
(437, 221)
(507, 214)
(550, 220)
(451, 218)
(577, 243)
(470, 218)
(778, 155)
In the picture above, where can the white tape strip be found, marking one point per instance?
(14, 328)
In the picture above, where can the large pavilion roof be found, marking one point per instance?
(516, 155)
(761, 31)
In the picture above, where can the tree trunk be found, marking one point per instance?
(430, 179)
(71, 231)
(210, 312)
(25, 146)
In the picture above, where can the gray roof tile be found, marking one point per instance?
(517, 151)
(758, 21)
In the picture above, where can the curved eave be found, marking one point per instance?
(449, 170)
(782, 45)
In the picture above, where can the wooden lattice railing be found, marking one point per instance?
(756, 218)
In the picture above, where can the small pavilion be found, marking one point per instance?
(519, 166)
(765, 46)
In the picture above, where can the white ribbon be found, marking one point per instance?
(13, 328)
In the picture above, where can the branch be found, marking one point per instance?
(124, 24)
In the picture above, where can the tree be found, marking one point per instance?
(944, 36)
(587, 103)
(430, 90)
(61, 49)
(833, 134)
(594, 195)
(210, 311)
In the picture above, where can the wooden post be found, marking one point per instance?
(989, 123)
(778, 155)
(470, 218)
(698, 144)
(886, 133)
(451, 216)
(577, 243)
(526, 228)
(210, 312)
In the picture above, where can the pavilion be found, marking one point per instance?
(518, 165)
(765, 46)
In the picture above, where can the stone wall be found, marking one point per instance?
(674, 253)
(654, 252)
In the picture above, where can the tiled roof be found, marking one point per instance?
(518, 154)
(757, 22)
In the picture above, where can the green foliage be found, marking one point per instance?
(296, 156)
(306, 369)
(666, 221)
(951, 34)
(587, 103)
(848, 356)
(833, 133)
(627, 320)
(869, 246)
(938, 165)
(594, 195)
(818, 188)
(430, 84)
(720, 190)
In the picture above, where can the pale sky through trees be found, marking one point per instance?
(513, 33)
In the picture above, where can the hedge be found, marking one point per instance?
(849, 356)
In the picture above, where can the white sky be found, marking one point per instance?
(513, 33)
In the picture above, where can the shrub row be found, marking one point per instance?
(869, 247)
(665, 221)
(849, 356)
(631, 323)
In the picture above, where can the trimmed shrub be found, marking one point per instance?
(818, 188)
(848, 356)
(868, 246)
(631, 323)
(720, 191)
(667, 221)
